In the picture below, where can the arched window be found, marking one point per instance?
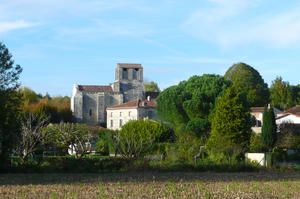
(91, 112)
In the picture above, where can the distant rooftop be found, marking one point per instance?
(129, 65)
(133, 104)
(93, 88)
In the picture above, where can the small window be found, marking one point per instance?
(134, 73)
(120, 114)
(121, 123)
(129, 113)
(125, 73)
(90, 112)
(111, 114)
(111, 123)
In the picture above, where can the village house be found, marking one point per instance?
(257, 114)
(291, 116)
(119, 115)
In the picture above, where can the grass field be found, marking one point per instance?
(151, 185)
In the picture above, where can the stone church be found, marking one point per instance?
(89, 102)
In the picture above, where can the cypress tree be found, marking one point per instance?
(269, 128)
(231, 126)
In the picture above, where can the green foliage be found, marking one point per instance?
(10, 103)
(199, 126)
(256, 144)
(29, 96)
(191, 101)
(70, 136)
(283, 95)
(151, 87)
(55, 113)
(106, 140)
(231, 126)
(288, 137)
(102, 147)
(269, 128)
(247, 80)
(138, 137)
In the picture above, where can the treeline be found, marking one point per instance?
(57, 108)
(212, 112)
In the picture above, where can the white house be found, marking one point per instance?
(257, 113)
(119, 115)
(291, 115)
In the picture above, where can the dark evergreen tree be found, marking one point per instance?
(248, 80)
(10, 103)
(269, 128)
(231, 126)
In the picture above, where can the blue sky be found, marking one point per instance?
(64, 42)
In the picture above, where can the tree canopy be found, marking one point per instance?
(10, 102)
(248, 80)
(283, 95)
(190, 102)
(151, 87)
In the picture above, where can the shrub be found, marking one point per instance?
(138, 137)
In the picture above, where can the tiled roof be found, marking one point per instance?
(129, 65)
(133, 104)
(287, 114)
(257, 109)
(293, 110)
(92, 88)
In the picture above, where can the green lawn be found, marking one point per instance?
(151, 185)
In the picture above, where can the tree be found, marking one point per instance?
(231, 126)
(269, 128)
(281, 94)
(151, 87)
(70, 136)
(248, 80)
(138, 137)
(189, 103)
(10, 103)
(32, 133)
(29, 96)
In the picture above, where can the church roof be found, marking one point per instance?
(133, 104)
(93, 88)
(129, 65)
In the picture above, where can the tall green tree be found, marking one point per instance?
(269, 128)
(151, 87)
(281, 94)
(188, 104)
(248, 80)
(10, 103)
(231, 126)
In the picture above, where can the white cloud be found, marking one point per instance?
(9, 26)
(230, 23)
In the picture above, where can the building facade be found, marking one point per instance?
(89, 102)
(119, 115)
